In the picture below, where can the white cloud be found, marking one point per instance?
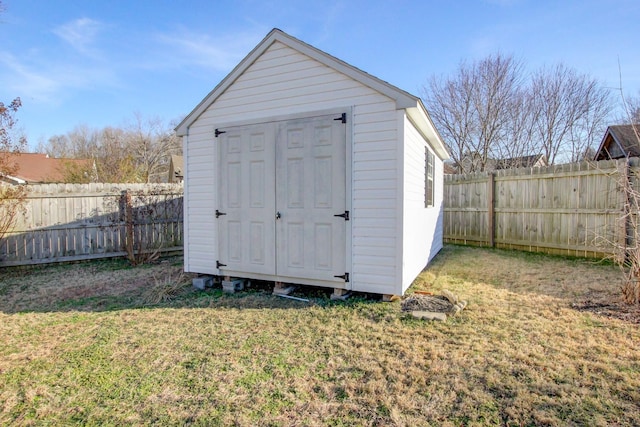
(19, 78)
(47, 76)
(80, 34)
(48, 82)
(200, 49)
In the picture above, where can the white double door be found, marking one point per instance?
(281, 186)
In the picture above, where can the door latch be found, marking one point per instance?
(278, 216)
(344, 277)
(344, 215)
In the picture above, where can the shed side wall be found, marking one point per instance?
(422, 227)
(283, 82)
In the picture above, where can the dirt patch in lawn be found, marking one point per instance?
(613, 309)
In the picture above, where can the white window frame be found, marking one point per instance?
(429, 166)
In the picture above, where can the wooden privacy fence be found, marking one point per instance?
(574, 209)
(68, 222)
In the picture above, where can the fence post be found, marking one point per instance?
(126, 215)
(490, 208)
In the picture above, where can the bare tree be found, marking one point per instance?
(571, 110)
(519, 139)
(138, 152)
(11, 196)
(629, 258)
(596, 110)
(9, 144)
(450, 107)
(627, 248)
(472, 109)
(114, 158)
(488, 110)
(495, 95)
(152, 145)
(631, 109)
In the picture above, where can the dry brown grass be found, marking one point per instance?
(167, 287)
(519, 354)
(81, 286)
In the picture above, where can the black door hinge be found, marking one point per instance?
(219, 264)
(344, 277)
(219, 132)
(342, 118)
(344, 215)
(219, 214)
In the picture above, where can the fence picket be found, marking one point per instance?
(68, 222)
(569, 209)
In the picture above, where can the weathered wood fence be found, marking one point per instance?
(68, 222)
(574, 209)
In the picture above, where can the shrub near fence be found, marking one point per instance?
(68, 222)
(574, 209)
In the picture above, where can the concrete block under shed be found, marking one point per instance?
(202, 282)
(282, 289)
(230, 286)
(340, 295)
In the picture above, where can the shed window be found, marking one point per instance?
(429, 160)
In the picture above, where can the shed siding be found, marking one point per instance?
(422, 227)
(200, 196)
(282, 82)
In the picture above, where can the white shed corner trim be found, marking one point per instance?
(300, 168)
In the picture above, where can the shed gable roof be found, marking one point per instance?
(404, 100)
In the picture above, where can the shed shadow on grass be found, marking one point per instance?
(112, 285)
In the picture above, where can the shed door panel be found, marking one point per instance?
(247, 192)
(281, 185)
(310, 190)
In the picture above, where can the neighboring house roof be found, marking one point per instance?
(404, 100)
(176, 168)
(473, 162)
(619, 141)
(33, 168)
(532, 161)
(450, 168)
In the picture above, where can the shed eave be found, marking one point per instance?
(422, 121)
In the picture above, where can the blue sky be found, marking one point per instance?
(98, 62)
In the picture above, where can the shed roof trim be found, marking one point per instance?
(403, 100)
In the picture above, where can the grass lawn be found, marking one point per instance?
(542, 342)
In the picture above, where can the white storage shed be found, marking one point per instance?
(300, 168)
